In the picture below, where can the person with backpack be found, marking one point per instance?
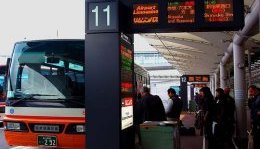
(174, 106)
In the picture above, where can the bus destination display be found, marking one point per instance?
(181, 11)
(145, 14)
(219, 11)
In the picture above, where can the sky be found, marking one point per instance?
(43, 19)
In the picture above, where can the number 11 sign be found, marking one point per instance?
(102, 17)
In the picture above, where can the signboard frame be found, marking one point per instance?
(199, 25)
(126, 42)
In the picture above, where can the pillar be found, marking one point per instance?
(216, 75)
(223, 75)
(212, 80)
(240, 89)
(183, 92)
(249, 67)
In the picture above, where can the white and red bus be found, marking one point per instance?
(45, 103)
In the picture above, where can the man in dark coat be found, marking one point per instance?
(230, 111)
(153, 109)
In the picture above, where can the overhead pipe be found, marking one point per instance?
(251, 21)
(227, 55)
(222, 76)
(239, 39)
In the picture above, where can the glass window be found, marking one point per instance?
(49, 71)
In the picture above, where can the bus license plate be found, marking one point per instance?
(47, 140)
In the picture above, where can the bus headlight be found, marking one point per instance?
(80, 128)
(15, 126)
(75, 129)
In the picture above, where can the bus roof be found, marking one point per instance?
(43, 40)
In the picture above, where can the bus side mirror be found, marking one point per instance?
(8, 61)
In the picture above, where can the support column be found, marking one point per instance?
(249, 67)
(192, 92)
(223, 73)
(240, 89)
(216, 80)
(109, 65)
(183, 92)
(228, 78)
(210, 83)
(213, 85)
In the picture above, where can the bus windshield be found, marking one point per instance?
(47, 72)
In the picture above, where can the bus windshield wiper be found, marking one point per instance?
(23, 97)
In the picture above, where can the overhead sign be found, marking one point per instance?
(145, 14)
(197, 78)
(102, 17)
(181, 11)
(219, 11)
(181, 15)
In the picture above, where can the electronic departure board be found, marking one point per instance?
(219, 11)
(181, 15)
(127, 87)
(180, 11)
(198, 78)
(145, 14)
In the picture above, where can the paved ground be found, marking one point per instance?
(2, 140)
(3, 144)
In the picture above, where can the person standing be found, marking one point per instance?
(198, 101)
(152, 106)
(174, 106)
(220, 120)
(208, 108)
(254, 105)
(230, 113)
